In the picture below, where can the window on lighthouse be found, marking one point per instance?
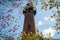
(28, 27)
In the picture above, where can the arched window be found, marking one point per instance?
(28, 27)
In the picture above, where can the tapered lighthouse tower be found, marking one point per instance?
(29, 23)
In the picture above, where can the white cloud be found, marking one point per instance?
(49, 19)
(46, 18)
(48, 32)
(39, 23)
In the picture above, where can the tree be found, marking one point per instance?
(50, 5)
(8, 6)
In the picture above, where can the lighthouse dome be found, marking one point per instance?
(29, 8)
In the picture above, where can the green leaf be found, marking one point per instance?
(51, 16)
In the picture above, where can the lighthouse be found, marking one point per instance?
(29, 23)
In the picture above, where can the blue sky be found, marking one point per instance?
(41, 18)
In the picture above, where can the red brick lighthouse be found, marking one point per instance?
(29, 24)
